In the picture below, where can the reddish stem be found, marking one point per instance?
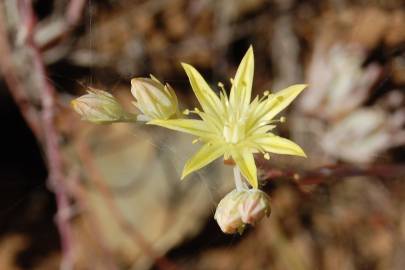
(51, 136)
(16, 88)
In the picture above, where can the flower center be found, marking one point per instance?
(234, 130)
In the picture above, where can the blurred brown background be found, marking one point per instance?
(78, 196)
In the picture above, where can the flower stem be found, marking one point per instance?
(238, 179)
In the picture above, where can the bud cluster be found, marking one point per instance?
(153, 99)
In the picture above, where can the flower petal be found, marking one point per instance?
(267, 109)
(191, 126)
(246, 163)
(276, 144)
(242, 85)
(207, 153)
(282, 99)
(209, 101)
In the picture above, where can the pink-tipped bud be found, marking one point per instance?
(100, 107)
(241, 207)
(255, 205)
(227, 214)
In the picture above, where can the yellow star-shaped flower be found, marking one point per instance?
(234, 127)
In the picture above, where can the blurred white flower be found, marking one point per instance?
(364, 134)
(338, 81)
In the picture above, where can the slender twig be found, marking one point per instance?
(327, 173)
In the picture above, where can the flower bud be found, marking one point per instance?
(100, 107)
(227, 214)
(153, 99)
(254, 206)
(241, 207)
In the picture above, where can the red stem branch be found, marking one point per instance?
(51, 136)
(16, 88)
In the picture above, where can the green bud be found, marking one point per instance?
(100, 107)
(153, 99)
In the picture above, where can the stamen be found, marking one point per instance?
(223, 91)
(195, 111)
(282, 119)
(266, 94)
(266, 156)
(195, 141)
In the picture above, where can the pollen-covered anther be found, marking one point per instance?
(221, 85)
(283, 119)
(186, 112)
(266, 156)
